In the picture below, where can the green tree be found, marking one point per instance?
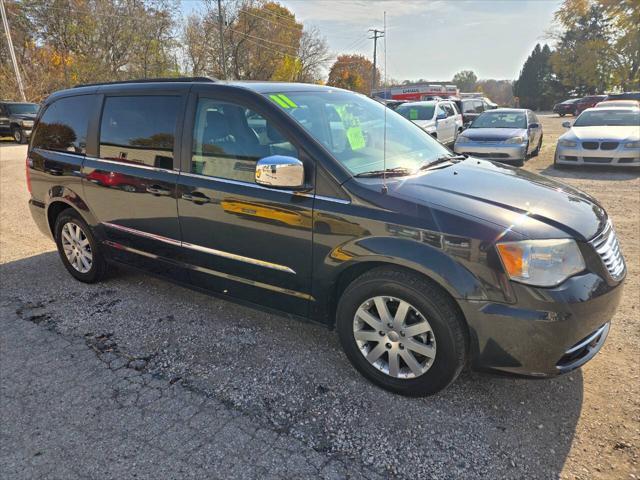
(537, 87)
(465, 80)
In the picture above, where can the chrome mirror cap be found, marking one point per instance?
(566, 124)
(280, 171)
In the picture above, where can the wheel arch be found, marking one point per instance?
(57, 204)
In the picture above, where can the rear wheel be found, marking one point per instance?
(18, 135)
(78, 248)
(402, 332)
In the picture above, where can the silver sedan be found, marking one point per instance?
(601, 136)
(507, 135)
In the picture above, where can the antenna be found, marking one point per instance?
(384, 136)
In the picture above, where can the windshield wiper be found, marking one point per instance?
(390, 172)
(443, 159)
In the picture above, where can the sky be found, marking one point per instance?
(433, 39)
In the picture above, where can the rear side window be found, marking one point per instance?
(479, 106)
(63, 126)
(139, 130)
(468, 107)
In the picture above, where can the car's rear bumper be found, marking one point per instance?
(498, 151)
(547, 332)
(39, 215)
(620, 157)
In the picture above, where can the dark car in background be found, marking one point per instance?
(422, 260)
(16, 120)
(568, 107)
(588, 102)
(471, 108)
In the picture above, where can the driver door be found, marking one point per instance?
(242, 239)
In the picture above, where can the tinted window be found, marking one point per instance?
(63, 126)
(447, 108)
(228, 140)
(468, 106)
(23, 108)
(139, 130)
(479, 106)
(416, 112)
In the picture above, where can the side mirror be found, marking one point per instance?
(534, 125)
(280, 171)
(566, 124)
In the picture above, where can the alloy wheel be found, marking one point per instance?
(76, 247)
(394, 337)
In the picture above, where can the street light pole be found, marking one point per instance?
(5, 22)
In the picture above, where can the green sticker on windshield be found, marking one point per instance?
(283, 100)
(413, 114)
(356, 138)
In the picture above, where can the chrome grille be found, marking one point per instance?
(608, 248)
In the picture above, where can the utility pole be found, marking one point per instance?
(376, 35)
(5, 22)
(223, 63)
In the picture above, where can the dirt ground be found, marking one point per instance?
(585, 425)
(607, 437)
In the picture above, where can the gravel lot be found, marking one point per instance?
(139, 377)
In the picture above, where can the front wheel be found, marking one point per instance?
(402, 332)
(78, 248)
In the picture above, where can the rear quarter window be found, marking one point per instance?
(63, 126)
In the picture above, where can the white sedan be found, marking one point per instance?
(601, 136)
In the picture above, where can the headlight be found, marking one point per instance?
(635, 144)
(462, 139)
(26, 123)
(544, 263)
(567, 143)
(515, 140)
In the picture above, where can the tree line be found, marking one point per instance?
(597, 50)
(61, 43)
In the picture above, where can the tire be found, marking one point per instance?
(447, 339)
(18, 135)
(562, 114)
(536, 152)
(68, 221)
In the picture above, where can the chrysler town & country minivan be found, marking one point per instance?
(322, 204)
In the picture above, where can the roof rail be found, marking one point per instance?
(150, 80)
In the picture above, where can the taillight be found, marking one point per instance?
(28, 164)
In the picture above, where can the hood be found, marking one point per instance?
(531, 205)
(24, 116)
(497, 134)
(599, 133)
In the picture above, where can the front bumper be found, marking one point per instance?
(618, 157)
(499, 151)
(547, 332)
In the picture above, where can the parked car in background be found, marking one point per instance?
(16, 120)
(470, 108)
(568, 107)
(588, 102)
(618, 103)
(601, 136)
(392, 104)
(507, 135)
(624, 96)
(423, 262)
(441, 118)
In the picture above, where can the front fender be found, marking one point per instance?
(464, 267)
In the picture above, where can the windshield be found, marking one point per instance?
(23, 108)
(352, 128)
(617, 118)
(500, 120)
(416, 112)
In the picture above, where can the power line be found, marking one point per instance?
(295, 29)
(263, 39)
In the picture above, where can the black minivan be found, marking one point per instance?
(322, 204)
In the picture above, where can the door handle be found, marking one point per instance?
(157, 190)
(196, 197)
